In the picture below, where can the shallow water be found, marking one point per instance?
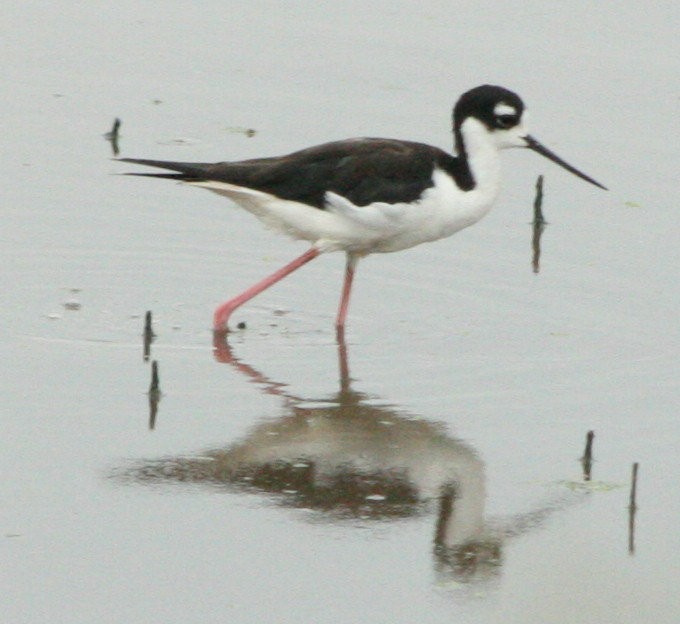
(432, 470)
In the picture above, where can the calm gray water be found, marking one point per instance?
(439, 479)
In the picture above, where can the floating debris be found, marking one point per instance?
(72, 305)
(179, 141)
(249, 132)
(589, 486)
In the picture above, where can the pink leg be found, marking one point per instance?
(223, 312)
(344, 301)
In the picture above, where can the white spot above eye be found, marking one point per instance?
(504, 109)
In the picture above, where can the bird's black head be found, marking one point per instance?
(497, 108)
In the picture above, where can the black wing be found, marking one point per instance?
(361, 170)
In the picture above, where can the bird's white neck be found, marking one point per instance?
(483, 158)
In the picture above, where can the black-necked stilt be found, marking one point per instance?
(368, 195)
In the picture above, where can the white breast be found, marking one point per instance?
(442, 211)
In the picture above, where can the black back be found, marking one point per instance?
(362, 170)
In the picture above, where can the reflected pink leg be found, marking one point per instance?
(223, 312)
(344, 301)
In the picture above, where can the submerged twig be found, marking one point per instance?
(148, 335)
(154, 394)
(538, 224)
(538, 202)
(154, 387)
(112, 136)
(587, 459)
(632, 508)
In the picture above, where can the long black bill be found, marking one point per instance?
(533, 144)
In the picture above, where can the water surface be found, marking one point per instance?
(431, 472)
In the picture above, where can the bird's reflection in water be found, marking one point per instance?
(348, 457)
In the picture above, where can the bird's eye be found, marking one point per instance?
(505, 121)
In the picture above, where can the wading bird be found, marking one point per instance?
(369, 195)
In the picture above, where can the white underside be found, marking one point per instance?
(442, 210)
